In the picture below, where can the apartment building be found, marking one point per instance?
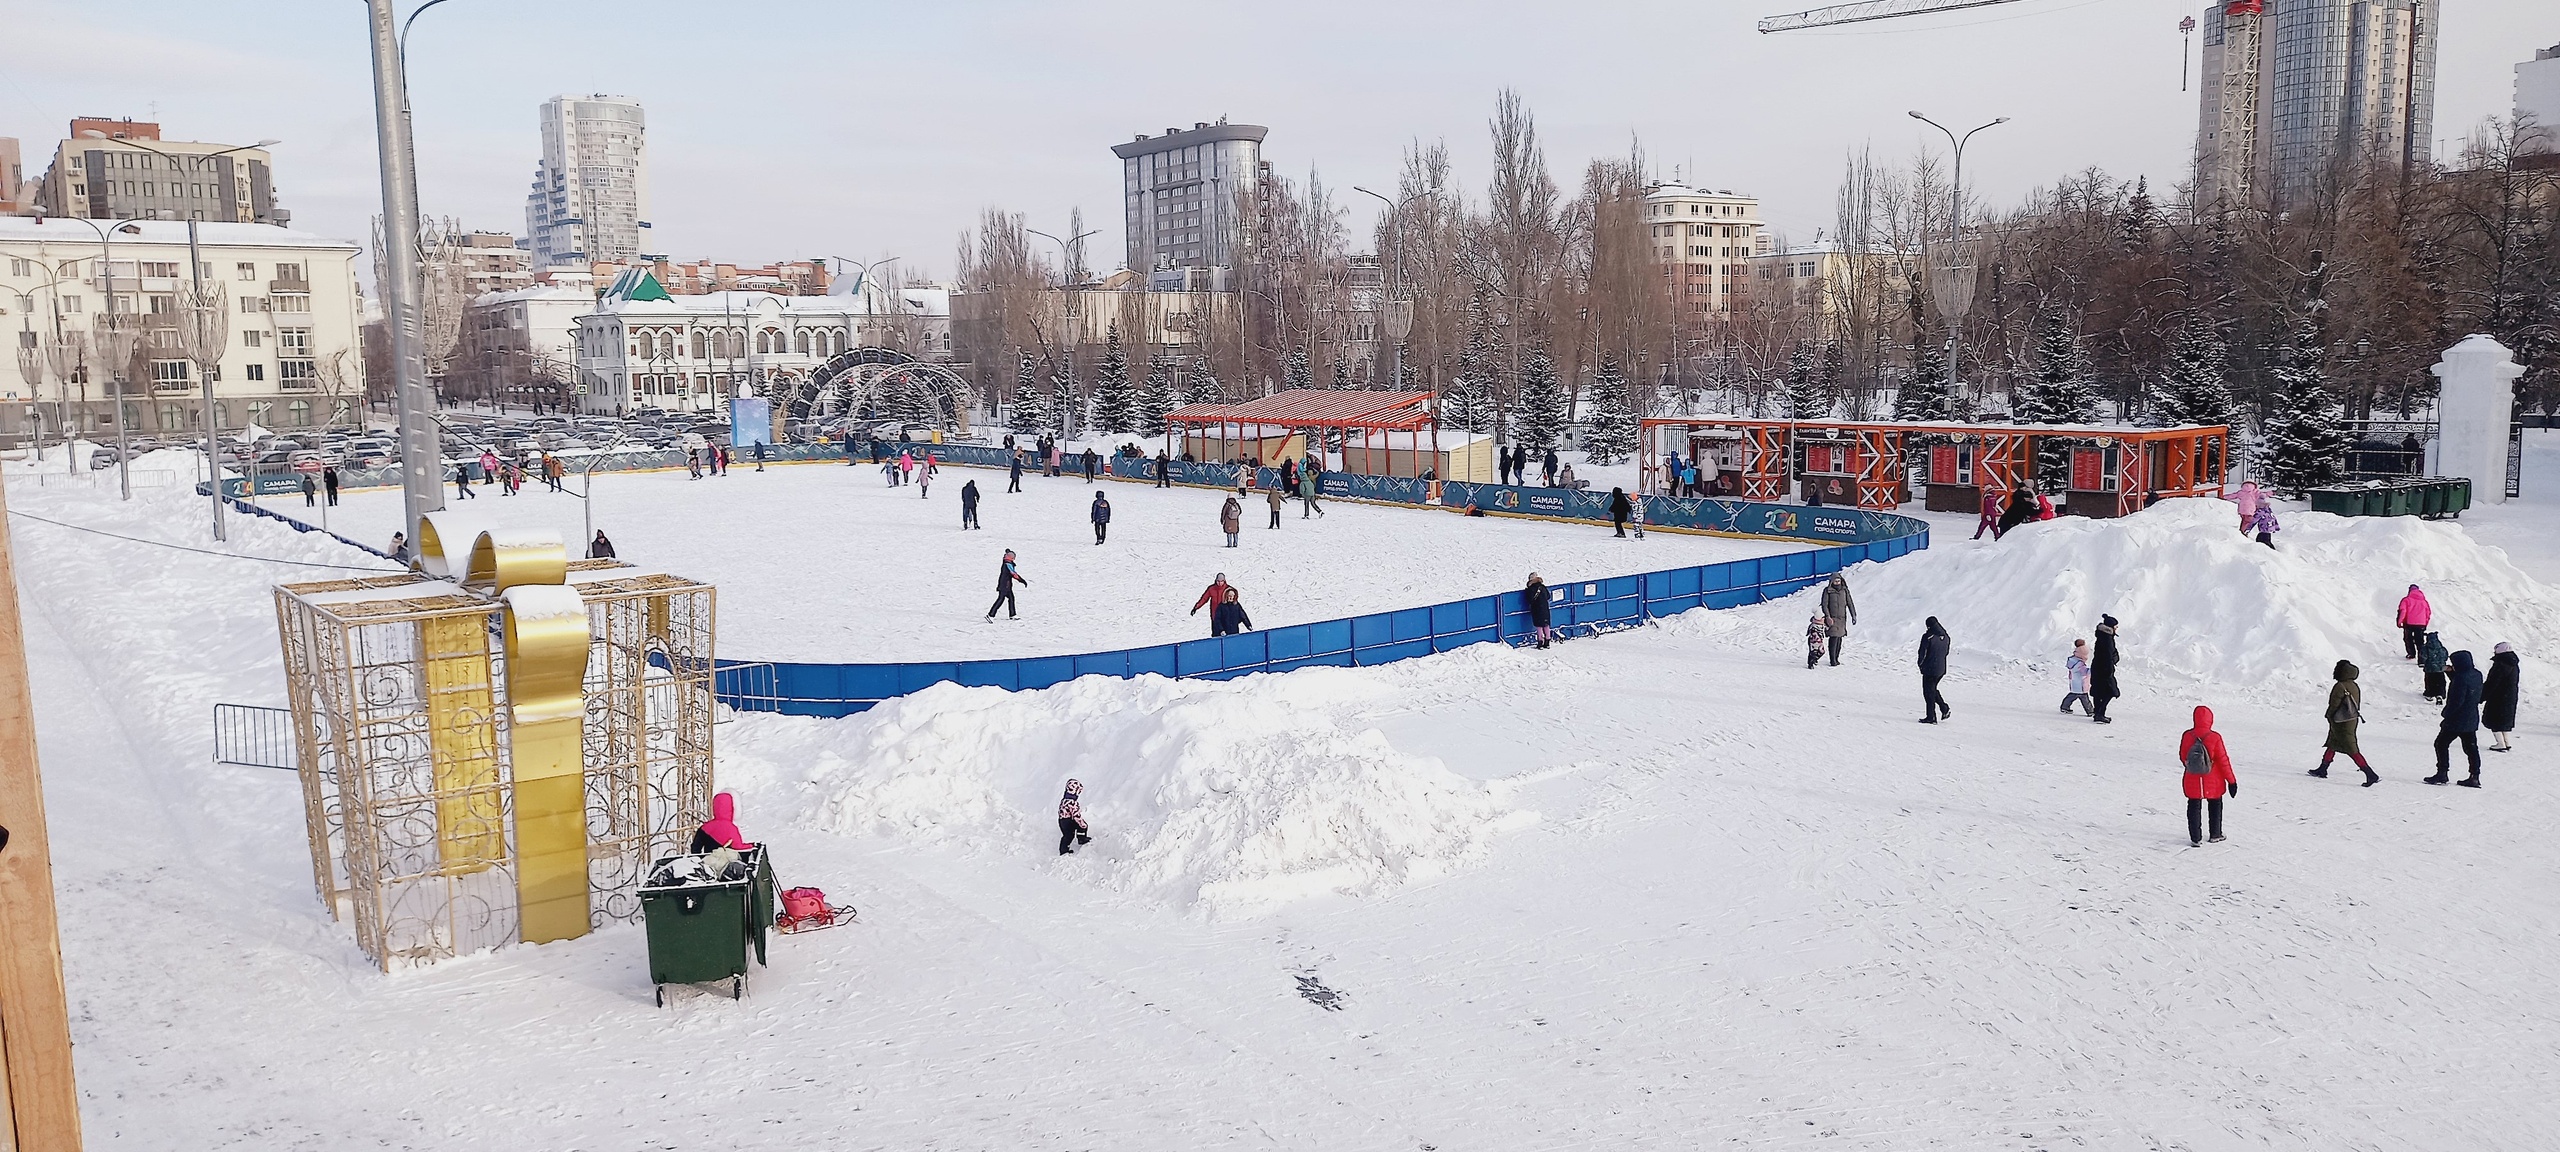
(290, 306)
(590, 195)
(123, 170)
(2296, 93)
(1704, 240)
(1179, 194)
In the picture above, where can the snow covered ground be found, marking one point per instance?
(828, 563)
(1658, 889)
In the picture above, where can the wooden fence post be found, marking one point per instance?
(40, 1109)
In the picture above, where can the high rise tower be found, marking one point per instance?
(590, 196)
(2299, 94)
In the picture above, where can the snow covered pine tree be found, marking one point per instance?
(1538, 420)
(2303, 441)
(2059, 392)
(1115, 403)
(1928, 394)
(1610, 433)
(1805, 398)
(1030, 411)
(2192, 389)
(1155, 397)
(1299, 373)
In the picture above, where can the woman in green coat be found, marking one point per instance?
(2346, 710)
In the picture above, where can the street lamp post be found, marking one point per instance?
(421, 471)
(112, 341)
(1067, 300)
(196, 305)
(862, 283)
(1399, 311)
(1958, 297)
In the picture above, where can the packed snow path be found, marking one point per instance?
(1757, 907)
(820, 562)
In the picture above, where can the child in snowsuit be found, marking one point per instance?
(1817, 636)
(2207, 776)
(2265, 524)
(1072, 830)
(2431, 660)
(2075, 670)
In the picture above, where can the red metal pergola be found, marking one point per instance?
(1339, 409)
(2119, 470)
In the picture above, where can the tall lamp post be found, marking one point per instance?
(862, 284)
(1399, 310)
(1954, 287)
(205, 328)
(1067, 299)
(34, 356)
(421, 469)
(114, 339)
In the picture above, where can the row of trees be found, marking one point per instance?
(2093, 299)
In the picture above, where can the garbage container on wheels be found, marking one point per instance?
(2338, 501)
(700, 923)
(2457, 496)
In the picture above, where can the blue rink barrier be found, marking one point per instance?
(1579, 608)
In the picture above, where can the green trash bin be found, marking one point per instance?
(699, 929)
(2431, 498)
(2338, 501)
(2457, 496)
(2395, 500)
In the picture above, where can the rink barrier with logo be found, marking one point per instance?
(1580, 608)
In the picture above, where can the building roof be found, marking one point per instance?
(922, 303)
(1674, 191)
(1185, 137)
(560, 293)
(1316, 408)
(65, 230)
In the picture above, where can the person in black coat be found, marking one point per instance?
(1934, 643)
(2498, 696)
(1619, 509)
(2461, 720)
(1101, 518)
(2102, 671)
(600, 548)
(969, 505)
(1540, 603)
(1228, 617)
(2022, 508)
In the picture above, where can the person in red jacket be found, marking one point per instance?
(2206, 775)
(1211, 597)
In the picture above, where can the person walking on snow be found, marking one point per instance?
(329, 485)
(1619, 510)
(1072, 830)
(1228, 617)
(1934, 643)
(1273, 496)
(2266, 523)
(2345, 712)
(1540, 602)
(1547, 468)
(2206, 776)
(2075, 672)
(462, 484)
(968, 505)
(1007, 575)
(1013, 473)
(1308, 493)
(1231, 520)
(2412, 618)
(2431, 660)
(1814, 634)
(1101, 518)
(310, 491)
(2461, 719)
(2498, 695)
(2102, 671)
(1635, 515)
(2250, 499)
(1839, 611)
(1990, 521)
(1092, 464)
(1164, 469)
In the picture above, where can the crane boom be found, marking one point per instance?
(1866, 10)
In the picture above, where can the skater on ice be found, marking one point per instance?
(1273, 496)
(1101, 518)
(1211, 597)
(1231, 520)
(969, 504)
(2205, 774)
(2498, 695)
(1619, 509)
(1007, 575)
(2461, 714)
(2345, 713)
(1308, 497)
(1072, 830)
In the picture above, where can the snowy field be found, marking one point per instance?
(1662, 889)
(828, 563)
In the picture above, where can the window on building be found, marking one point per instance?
(254, 372)
(161, 304)
(251, 305)
(21, 267)
(250, 339)
(298, 413)
(293, 341)
(288, 271)
(168, 373)
(293, 302)
(70, 303)
(146, 189)
(246, 270)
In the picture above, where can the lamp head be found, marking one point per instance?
(1915, 115)
(2002, 120)
(266, 143)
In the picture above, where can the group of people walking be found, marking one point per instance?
(1514, 467)
(2468, 700)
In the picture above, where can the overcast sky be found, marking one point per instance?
(865, 129)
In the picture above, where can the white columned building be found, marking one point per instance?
(642, 347)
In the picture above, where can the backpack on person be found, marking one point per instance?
(2199, 758)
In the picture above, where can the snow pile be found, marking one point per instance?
(1228, 797)
(2196, 598)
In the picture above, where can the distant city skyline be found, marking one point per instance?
(895, 147)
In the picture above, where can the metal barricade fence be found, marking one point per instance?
(253, 736)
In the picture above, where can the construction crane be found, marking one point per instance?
(1867, 10)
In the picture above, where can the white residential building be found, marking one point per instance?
(1703, 240)
(2538, 95)
(519, 346)
(292, 356)
(639, 347)
(590, 196)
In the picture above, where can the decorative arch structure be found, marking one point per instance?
(882, 380)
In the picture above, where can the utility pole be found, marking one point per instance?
(412, 401)
(212, 435)
(1955, 286)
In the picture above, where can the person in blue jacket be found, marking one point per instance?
(1934, 643)
(2463, 690)
(1101, 517)
(1228, 617)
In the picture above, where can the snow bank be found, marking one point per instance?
(1227, 797)
(2196, 598)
